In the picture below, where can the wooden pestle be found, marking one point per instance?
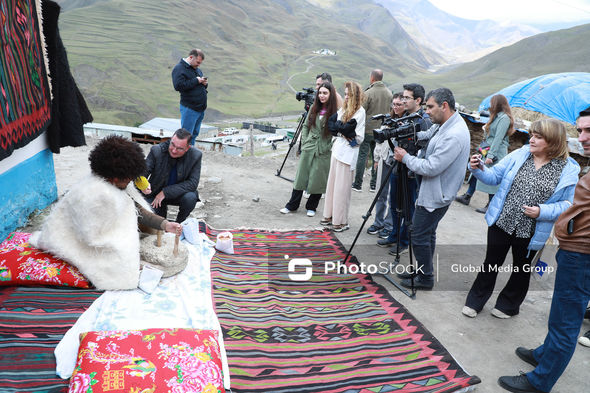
(176, 240)
(159, 239)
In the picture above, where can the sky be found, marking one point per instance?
(519, 11)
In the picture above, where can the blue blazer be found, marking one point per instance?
(503, 173)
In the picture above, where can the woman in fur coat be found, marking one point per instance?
(95, 225)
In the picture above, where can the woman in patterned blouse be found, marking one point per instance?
(536, 184)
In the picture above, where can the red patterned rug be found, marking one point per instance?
(331, 333)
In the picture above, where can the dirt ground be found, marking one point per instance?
(242, 192)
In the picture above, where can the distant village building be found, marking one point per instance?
(325, 52)
(170, 124)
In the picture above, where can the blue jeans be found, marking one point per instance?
(570, 298)
(472, 183)
(424, 240)
(412, 193)
(191, 121)
(382, 209)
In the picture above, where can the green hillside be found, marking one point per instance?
(122, 53)
(558, 51)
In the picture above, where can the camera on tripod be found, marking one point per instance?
(307, 95)
(403, 130)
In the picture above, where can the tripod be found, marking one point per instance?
(292, 143)
(403, 201)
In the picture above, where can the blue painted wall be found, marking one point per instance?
(28, 186)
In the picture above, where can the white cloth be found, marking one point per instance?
(341, 149)
(180, 301)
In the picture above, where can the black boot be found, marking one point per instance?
(464, 199)
(484, 209)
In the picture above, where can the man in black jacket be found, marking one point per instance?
(174, 170)
(188, 79)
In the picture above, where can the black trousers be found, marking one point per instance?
(513, 294)
(186, 203)
(312, 202)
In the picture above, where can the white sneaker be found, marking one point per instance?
(499, 314)
(310, 213)
(585, 339)
(285, 210)
(469, 312)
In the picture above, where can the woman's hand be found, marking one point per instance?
(531, 211)
(475, 162)
(489, 161)
(173, 227)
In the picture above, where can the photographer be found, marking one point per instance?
(316, 145)
(325, 77)
(412, 99)
(442, 172)
(383, 222)
(377, 100)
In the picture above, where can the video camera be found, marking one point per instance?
(403, 130)
(307, 95)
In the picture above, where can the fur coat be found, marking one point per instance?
(94, 227)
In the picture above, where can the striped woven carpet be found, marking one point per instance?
(32, 322)
(333, 333)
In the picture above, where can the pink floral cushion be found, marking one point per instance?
(22, 264)
(151, 360)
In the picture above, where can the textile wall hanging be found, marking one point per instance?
(25, 99)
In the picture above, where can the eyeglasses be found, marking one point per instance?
(397, 104)
(177, 148)
(407, 98)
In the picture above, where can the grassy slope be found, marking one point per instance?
(553, 52)
(122, 53)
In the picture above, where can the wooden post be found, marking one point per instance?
(251, 140)
(176, 240)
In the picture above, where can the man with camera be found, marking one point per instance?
(413, 97)
(323, 77)
(442, 170)
(377, 100)
(188, 79)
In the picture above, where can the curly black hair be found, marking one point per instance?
(117, 157)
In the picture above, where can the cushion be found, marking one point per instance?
(22, 264)
(171, 360)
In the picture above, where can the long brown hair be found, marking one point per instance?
(354, 101)
(499, 103)
(331, 107)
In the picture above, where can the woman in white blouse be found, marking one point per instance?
(349, 132)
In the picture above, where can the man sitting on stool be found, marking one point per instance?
(174, 170)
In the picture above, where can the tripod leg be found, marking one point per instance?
(384, 182)
(291, 144)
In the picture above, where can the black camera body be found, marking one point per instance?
(403, 130)
(307, 95)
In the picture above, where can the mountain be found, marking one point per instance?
(376, 21)
(556, 51)
(455, 39)
(122, 52)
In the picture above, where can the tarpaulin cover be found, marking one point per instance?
(560, 96)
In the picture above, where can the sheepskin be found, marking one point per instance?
(94, 227)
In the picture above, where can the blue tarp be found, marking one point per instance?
(561, 96)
